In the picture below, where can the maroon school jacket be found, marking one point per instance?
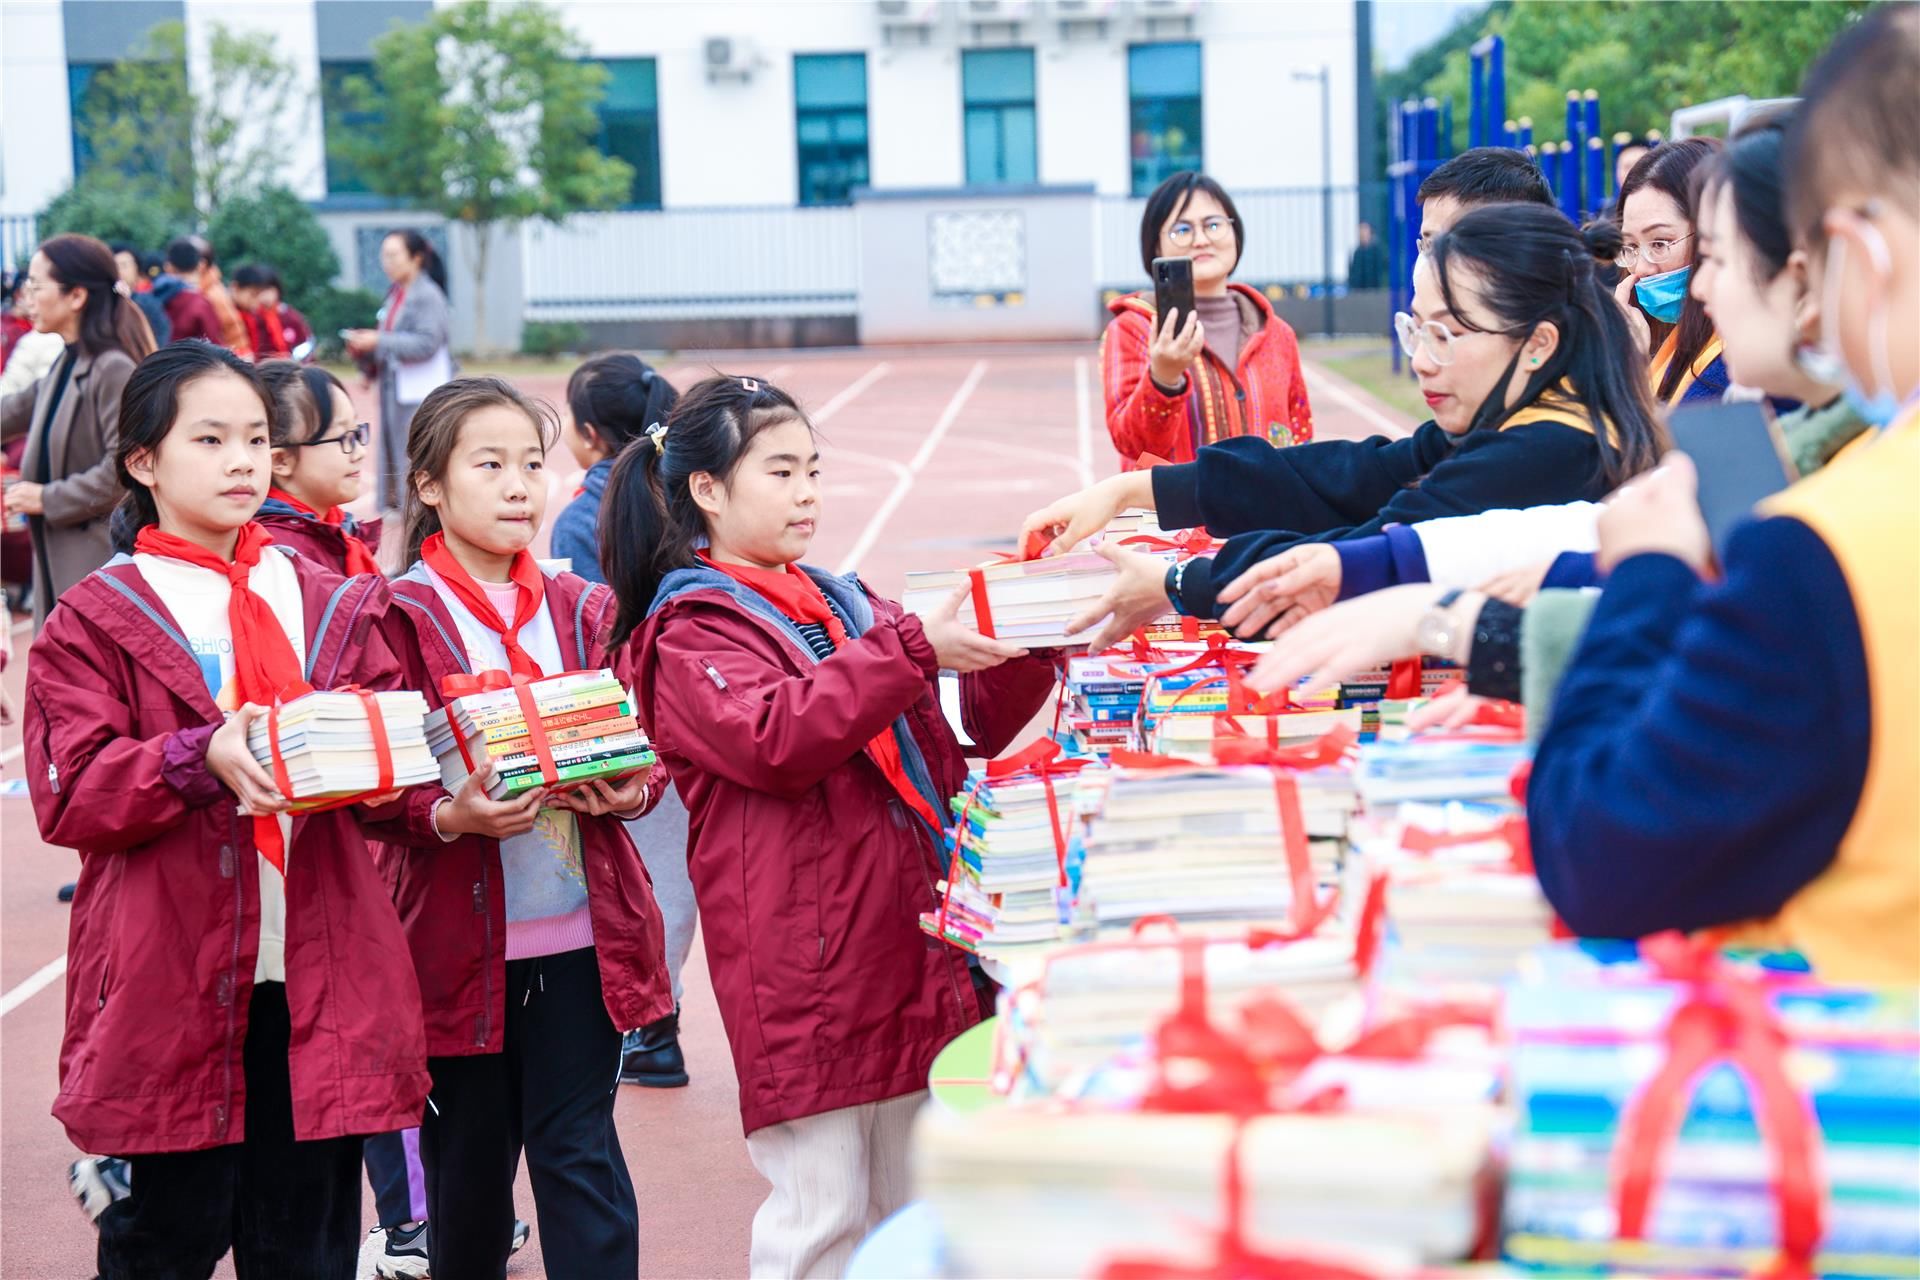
(166, 919)
(452, 895)
(810, 871)
(313, 538)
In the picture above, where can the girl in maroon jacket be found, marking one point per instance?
(798, 714)
(532, 921)
(319, 459)
(235, 1019)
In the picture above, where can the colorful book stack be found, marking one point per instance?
(1194, 735)
(584, 717)
(327, 744)
(1367, 688)
(1588, 1036)
(1029, 602)
(1108, 693)
(1437, 767)
(1203, 844)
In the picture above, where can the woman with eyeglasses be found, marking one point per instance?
(1538, 396)
(1231, 368)
(1656, 253)
(319, 465)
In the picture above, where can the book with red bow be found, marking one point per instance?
(557, 731)
(327, 748)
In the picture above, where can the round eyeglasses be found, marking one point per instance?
(355, 438)
(1434, 336)
(1656, 252)
(1218, 230)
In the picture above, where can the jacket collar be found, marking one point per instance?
(847, 596)
(367, 531)
(580, 612)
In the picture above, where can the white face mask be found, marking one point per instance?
(1879, 402)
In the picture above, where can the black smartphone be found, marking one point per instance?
(1741, 457)
(1172, 291)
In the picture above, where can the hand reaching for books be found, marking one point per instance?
(958, 646)
(230, 760)
(472, 813)
(601, 796)
(1137, 597)
(1078, 516)
(1351, 636)
(1281, 591)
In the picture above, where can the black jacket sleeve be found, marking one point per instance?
(1245, 483)
(1537, 464)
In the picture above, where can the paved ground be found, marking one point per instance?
(931, 459)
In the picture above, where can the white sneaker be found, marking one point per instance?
(98, 1181)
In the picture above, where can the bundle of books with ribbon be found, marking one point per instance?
(329, 748)
(1025, 602)
(555, 731)
(1691, 1113)
(1476, 763)
(1398, 681)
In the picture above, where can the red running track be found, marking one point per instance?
(931, 458)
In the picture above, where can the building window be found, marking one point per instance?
(996, 86)
(105, 97)
(342, 117)
(630, 125)
(830, 123)
(1163, 96)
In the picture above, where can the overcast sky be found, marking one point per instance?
(1403, 27)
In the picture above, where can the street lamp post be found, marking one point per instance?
(1326, 194)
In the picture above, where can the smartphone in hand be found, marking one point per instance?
(1172, 290)
(1741, 457)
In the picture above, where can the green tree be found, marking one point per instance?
(487, 117)
(110, 213)
(275, 226)
(145, 127)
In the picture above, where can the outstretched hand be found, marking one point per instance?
(960, 647)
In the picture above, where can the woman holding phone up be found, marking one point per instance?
(1229, 367)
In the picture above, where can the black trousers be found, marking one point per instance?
(288, 1210)
(550, 1091)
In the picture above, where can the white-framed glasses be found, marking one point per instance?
(1434, 336)
(1218, 229)
(1656, 252)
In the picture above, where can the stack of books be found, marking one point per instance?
(1030, 602)
(1203, 844)
(1366, 688)
(1587, 1037)
(1474, 765)
(1193, 736)
(327, 744)
(585, 716)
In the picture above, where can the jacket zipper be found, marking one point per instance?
(339, 652)
(225, 1118)
(46, 745)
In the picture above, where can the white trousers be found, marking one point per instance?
(835, 1177)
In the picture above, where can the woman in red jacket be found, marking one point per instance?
(799, 717)
(1232, 368)
(235, 1020)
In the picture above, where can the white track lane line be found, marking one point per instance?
(1320, 382)
(1083, 404)
(853, 389)
(877, 525)
(45, 976)
(13, 753)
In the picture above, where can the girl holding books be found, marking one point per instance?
(798, 713)
(531, 918)
(319, 461)
(234, 1018)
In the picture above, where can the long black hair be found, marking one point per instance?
(148, 406)
(421, 250)
(649, 523)
(302, 397)
(1752, 168)
(1669, 169)
(108, 321)
(1533, 267)
(619, 395)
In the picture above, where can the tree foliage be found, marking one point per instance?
(110, 213)
(275, 226)
(1644, 59)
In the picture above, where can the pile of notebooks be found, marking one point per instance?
(1588, 1028)
(328, 749)
(1197, 736)
(586, 720)
(1473, 764)
(1029, 602)
(1366, 688)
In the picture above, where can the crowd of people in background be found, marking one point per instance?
(1725, 737)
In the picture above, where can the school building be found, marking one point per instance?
(817, 172)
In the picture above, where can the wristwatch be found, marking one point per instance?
(1437, 633)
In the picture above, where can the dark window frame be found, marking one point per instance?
(858, 162)
(999, 109)
(648, 187)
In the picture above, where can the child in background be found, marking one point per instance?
(532, 923)
(798, 714)
(319, 460)
(204, 931)
(275, 329)
(1742, 752)
(612, 399)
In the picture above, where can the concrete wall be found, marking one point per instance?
(36, 136)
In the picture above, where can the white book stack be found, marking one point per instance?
(327, 744)
(1030, 602)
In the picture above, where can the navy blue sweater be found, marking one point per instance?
(1264, 500)
(1709, 742)
(576, 530)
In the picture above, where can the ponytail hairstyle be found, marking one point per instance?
(1532, 266)
(302, 399)
(649, 523)
(619, 395)
(108, 321)
(148, 407)
(421, 250)
(1669, 169)
(435, 434)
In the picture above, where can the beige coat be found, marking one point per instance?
(81, 488)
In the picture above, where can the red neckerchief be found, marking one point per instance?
(265, 667)
(530, 594)
(359, 558)
(799, 598)
(274, 332)
(394, 299)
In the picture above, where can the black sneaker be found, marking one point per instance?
(98, 1181)
(651, 1056)
(404, 1256)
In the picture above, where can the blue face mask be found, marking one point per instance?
(1663, 295)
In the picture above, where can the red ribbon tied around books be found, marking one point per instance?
(1723, 1017)
(1188, 542)
(1403, 679)
(461, 685)
(382, 754)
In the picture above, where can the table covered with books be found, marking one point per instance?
(1280, 996)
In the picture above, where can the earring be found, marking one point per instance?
(1534, 363)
